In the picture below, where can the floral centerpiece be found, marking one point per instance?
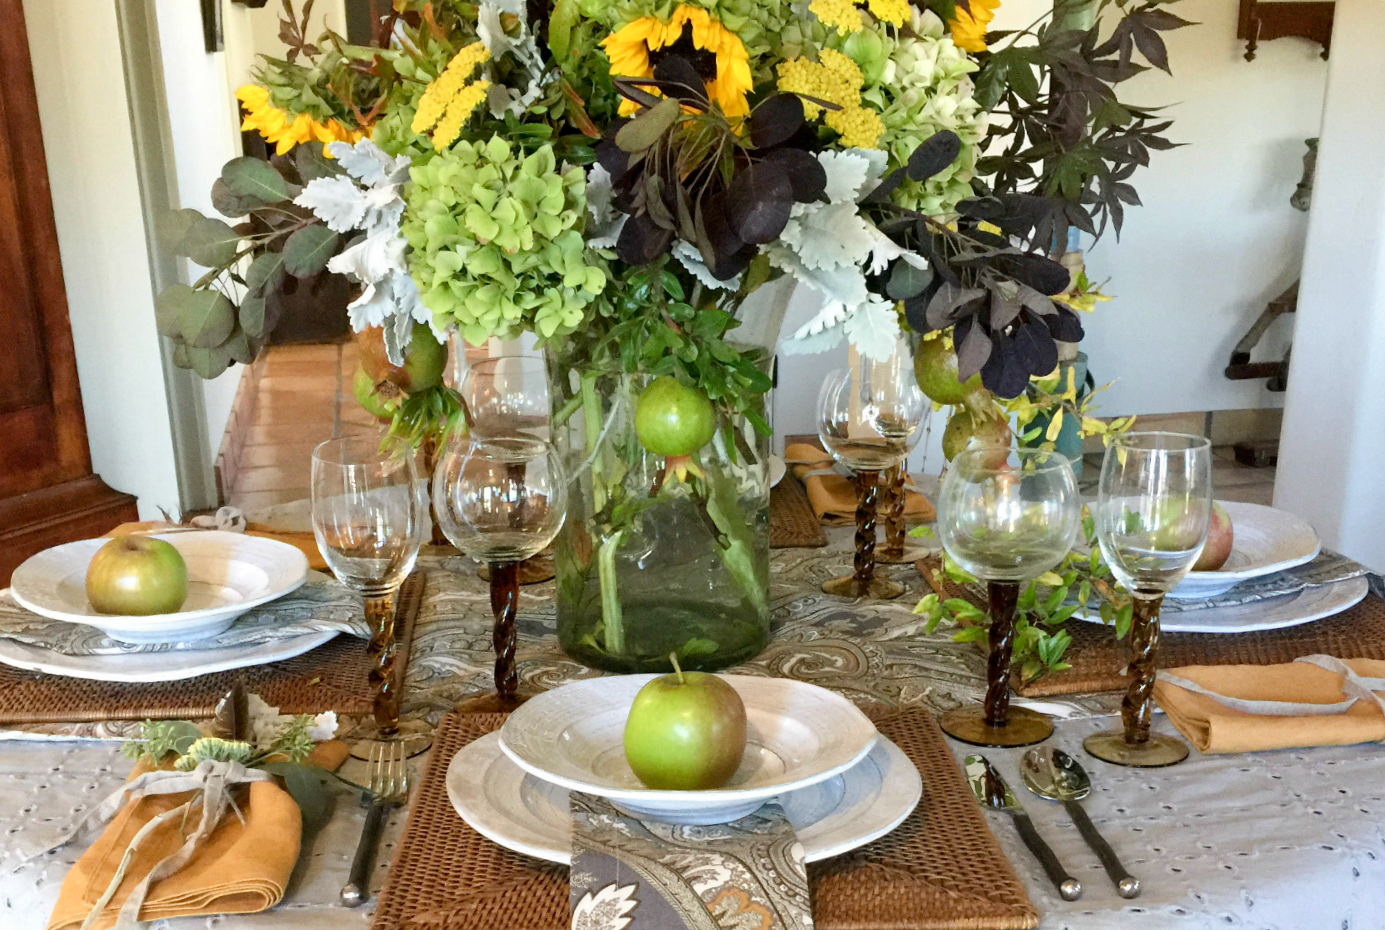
(635, 182)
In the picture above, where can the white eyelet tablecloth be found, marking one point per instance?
(1290, 840)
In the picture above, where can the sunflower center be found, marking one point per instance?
(704, 62)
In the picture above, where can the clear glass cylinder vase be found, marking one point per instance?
(657, 555)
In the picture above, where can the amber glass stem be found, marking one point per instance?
(894, 515)
(867, 506)
(1004, 596)
(1138, 705)
(505, 604)
(379, 615)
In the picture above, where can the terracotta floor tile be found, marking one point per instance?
(272, 478)
(255, 500)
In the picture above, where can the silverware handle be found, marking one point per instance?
(1069, 888)
(1127, 885)
(357, 887)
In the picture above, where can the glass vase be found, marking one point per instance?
(657, 555)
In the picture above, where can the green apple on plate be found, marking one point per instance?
(686, 731)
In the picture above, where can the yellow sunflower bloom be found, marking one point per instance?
(969, 28)
(284, 131)
(630, 47)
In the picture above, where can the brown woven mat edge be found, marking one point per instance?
(792, 523)
(545, 885)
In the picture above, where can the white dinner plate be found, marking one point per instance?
(1264, 541)
(797, 735)
(145, 667)
(777, 469)
(228, 574)
(530, 816)
(1271, 613)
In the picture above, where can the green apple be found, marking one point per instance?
(686, 732)
(137, 576)
(672, 418)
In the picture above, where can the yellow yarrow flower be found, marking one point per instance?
(283, 131)
(845, 16)
(630, 46)
(969, 28)
(837, 79)
(463, 104)
(452, 96)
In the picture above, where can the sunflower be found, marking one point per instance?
(634, 48)
(285, 131)
(969, 26)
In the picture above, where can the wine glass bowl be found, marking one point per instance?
(501, 499)
(370, 516)
(507, 395)
(867, 416)
(1010, 515)
(1152, 514)
(1005, 516)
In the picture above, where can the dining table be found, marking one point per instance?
(1283, 840)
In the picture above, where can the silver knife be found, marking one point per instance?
(990, 790)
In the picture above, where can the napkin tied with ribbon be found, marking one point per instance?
(1315, 700)
(647, 875)
(833, 496)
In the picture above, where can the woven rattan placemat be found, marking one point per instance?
(1097, 657)
(792, 523)
(941, 868)
(334, 676)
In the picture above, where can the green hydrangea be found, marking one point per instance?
(496, 241)
(921, 84)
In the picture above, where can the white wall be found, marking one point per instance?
(205, 135)
(88, 142)
(1216, 237)
(1332, 444)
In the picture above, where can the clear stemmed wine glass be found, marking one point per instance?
(1153, 510)
(507, 395)
(370, 515)
(501, 499)
(1006, 516)
(866, 416)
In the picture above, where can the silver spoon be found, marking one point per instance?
(1053, 774)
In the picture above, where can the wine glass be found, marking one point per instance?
(507, 395)
(501, 499)
(1005, 516)
(1153, 510)
(370, 516)
(866, 416)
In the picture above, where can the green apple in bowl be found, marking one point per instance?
(685, 732)
(137, 576)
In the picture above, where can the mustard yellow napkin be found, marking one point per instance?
(1315, 701)
(833, 496)
(242, 868)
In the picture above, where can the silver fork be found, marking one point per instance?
(389, 788)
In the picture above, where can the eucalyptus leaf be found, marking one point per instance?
(250, 177)
(241, 347)
(208, 363)
(168, 309)
(907, 281)
(310, 788)
(313, 164)
(264, 274)
(230, 204)
(175, 226)
(646, 128)
(205, 318)
(252, 316)
(210, 243)
(306, 251)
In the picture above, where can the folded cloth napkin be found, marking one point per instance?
(642, 875)
(1312, 701)
(242, 867)
(833, 496)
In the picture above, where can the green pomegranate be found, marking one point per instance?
(964, 426)
(672, 418)
(424, 359)
(935, 367)
(363, 386)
